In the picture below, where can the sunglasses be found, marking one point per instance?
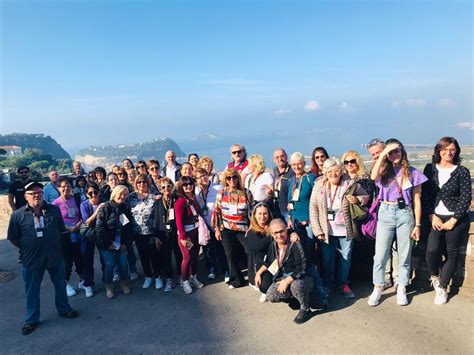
(236, 152)
(352, 161)
(140, 166)
(121, 174)
(154, 168)
(317, 157)
(187, 184)
(166, 187)
(142, 182)
(233, 177)
(375, 142)
(93, 193)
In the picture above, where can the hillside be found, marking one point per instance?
(109, 155)
(46, 144)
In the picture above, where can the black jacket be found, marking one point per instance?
(293, 263)
(108, 225)
(456, 193)
(160, 222)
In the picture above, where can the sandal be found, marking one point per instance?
(28, 328)
(71, 314)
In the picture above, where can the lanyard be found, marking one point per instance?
(280, 255)
(296, 184)
(399, 186)
(333, 197)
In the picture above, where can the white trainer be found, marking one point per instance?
(80, 285)
(70, 290)
(89, 291)
(147, 282)
(374, 298)
(402, 295)
(169, 285)
(195, 282)
(441, 297)
(253, 287)
(187, 287)
(263, 298)
(158, 283)
(435, 283)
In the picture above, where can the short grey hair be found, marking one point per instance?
(277, 221)
(332, 163)
(297, 156)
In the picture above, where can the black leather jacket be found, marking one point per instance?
(108, 225)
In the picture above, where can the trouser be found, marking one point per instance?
(233, 242)
(113, 259)
(164, 258)
(131, 260)
(33, 279)
(189, 265)
(307, 240)
(298, 289)
(148, 255)
(451, 239)
(87, 251)
(72, 256)
(391, 269)
(337, 252)
(391, 220)
(215, 256)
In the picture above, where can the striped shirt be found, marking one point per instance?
(231, 210)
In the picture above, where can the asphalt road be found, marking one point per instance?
(218, 320)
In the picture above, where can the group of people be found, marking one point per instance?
(292, 228)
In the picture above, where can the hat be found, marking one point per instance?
(33, 184)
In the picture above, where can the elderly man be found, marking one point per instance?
(37, 230)
(51, 191)
(282, 276)
(282, 174)
(172, 169)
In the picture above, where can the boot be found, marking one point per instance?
(124, 286)
(109, 288)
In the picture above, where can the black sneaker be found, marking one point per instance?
(303, 316)
(71, 314)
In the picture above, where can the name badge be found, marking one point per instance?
(331, 215)
(168, 227)
(171, 214)
(233, 209)
(123, 219)
(39, 234)
(296, 195)
(71, 212)
(273, 267)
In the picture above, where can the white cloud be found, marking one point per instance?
(446, 103)
(312, 105)
(415, 102)
(211, 135)
(465, 125)
(345, 107)
(281, 112)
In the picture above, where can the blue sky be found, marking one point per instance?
(266, 73)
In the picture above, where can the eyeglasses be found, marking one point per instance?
(236, 152)
(36, 193)
(318, 157)
(142, 182)
(187, 184)
(282, 231)
(352, 161)
(166, 187)
(154, 168)
(93, 193)
(233, 177)
(375, 141)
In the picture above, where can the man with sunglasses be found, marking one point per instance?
(16, 192)
(172, 168)
(37, 230)
(238, 154)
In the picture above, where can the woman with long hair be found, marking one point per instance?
(259, 182)
(446, 197)
(399, 214)
(318, 157)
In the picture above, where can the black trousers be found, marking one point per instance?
(437, 240)
(72, 256)
(233, 243)
(148, 255)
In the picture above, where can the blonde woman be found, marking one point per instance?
(208, 164)
(354, 167)
(259, 182)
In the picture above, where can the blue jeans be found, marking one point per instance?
(318, 288)
(338, 250)
(132, 261)
(112, 259)
(393, 220)
(307, 240)
(33, 279)
(87, 250)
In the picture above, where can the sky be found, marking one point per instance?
(296, 74)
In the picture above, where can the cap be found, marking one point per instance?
(33, 184)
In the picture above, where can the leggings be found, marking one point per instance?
(451, 239)
(233, 243)
(72, 256)
(148, 255)
(189, 265)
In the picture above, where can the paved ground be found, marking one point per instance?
(219, 320)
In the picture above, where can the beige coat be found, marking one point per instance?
(318, 206)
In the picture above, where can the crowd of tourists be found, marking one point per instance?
(288, 232)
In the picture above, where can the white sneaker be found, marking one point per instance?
(374, 298)
(169, 285)
(133, 276)
(211, 276)
(231, 287)
(80, 285)
(402, 295)
(441, 297)
(195, 282)
(116, 278)
(255, 288)
(147, 282)
(89, 291)
(263, 298)
(158, 283)
(435, 283)
(187, 287)
(70, 290)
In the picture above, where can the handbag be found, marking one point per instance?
(88, 232)
(369, 226)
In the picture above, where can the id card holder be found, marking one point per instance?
(331, 215)
(171, 214)
(39, 233)
(71, 212)
(205, 211)
(296, 195)
(168, 226)
(233, 209)
(123, 219)
(273, 267)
